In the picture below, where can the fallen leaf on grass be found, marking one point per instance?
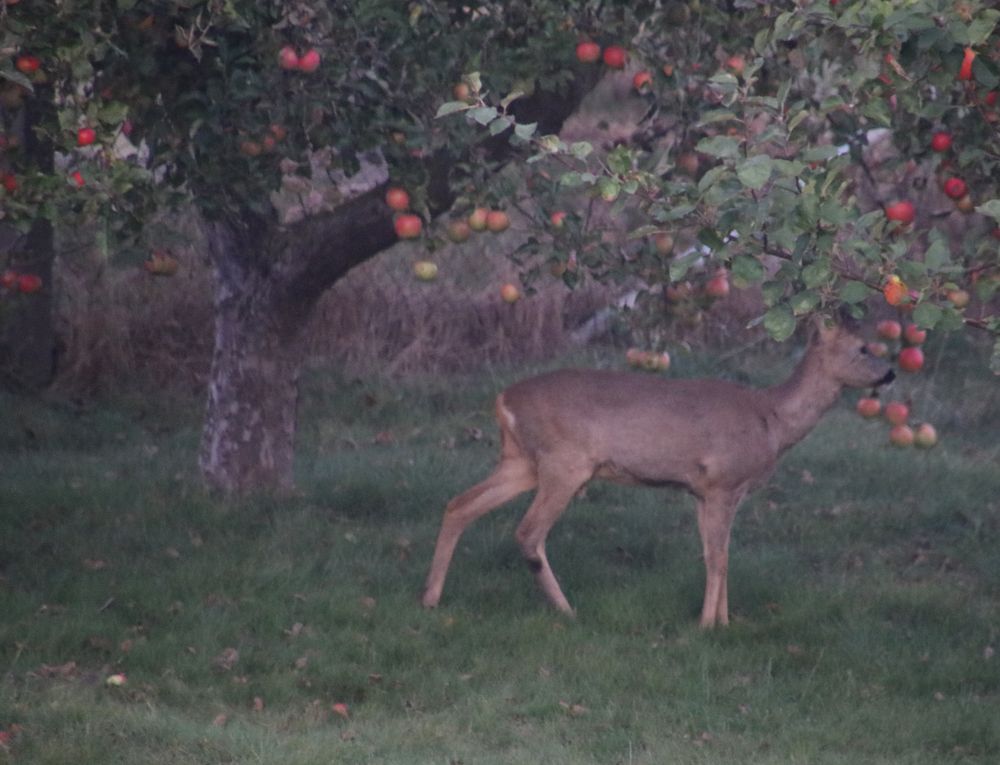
(62, 671)
(795, 650)
(295, 630)
(573, 710)
(340, 709)
(172, 552)
(258, 704)
(220, 720)
(227, 659)
(94, 564)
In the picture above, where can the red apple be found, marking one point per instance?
(965, 70)
(881, 350)
(9, 182)
(902, 211)
(941, 141)
(497, 221)
(309, 62)
(461, 91)
(965, 205)
(901, 435)
(558, 219)
(894, 290)
(397, 199)
(251, 148)
(890, 329)
(718, 285)
(958, 298)
(911, 359)
(510, 293)
(408, 226)
(736, 64)
(688, 163)
(925, 436)
(85, 136)
(614, 56)
(664, 243)
(955, 188)
(77, 177)
(914, 335)
(459, 231)
(897, 413)
(635, 357)
(287, 58)
(27, 64)
(477, 219)
(280, 132)
(425, 270)
(28, 283)
(588, 52)
(869, 407)
(642, 80)
(8, 279)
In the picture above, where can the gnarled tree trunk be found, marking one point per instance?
(268, 279)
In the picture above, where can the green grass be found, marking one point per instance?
(864, 589)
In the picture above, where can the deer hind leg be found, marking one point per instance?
(514, 475)
(715, 522)
(556, 487)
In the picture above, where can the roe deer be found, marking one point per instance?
(716, 439)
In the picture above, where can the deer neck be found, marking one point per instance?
(801, 400)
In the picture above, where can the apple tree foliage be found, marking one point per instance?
(194, 108)
(777, 110)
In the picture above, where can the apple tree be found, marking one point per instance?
(280, 125)
(823, 151)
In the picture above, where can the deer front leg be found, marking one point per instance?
(715, 521)
(512, 476)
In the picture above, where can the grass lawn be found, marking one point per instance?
(864, 589)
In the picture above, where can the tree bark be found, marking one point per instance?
(248, 436)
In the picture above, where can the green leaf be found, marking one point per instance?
(720, 146)
(451, 107)
(746, 270)
(710, 238)
(525, 132)
(773, 292)
(982, 27)
(679, 266)
(804, 302)
(500, 124)
(716, 115)
(817, 273)
(711, 177)
(779, 322)
(926, 315)
(755, 172)
(854, 292)
(620, 160)
(581, 149)
(571, 180)
(991, 208)
(484, 115)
